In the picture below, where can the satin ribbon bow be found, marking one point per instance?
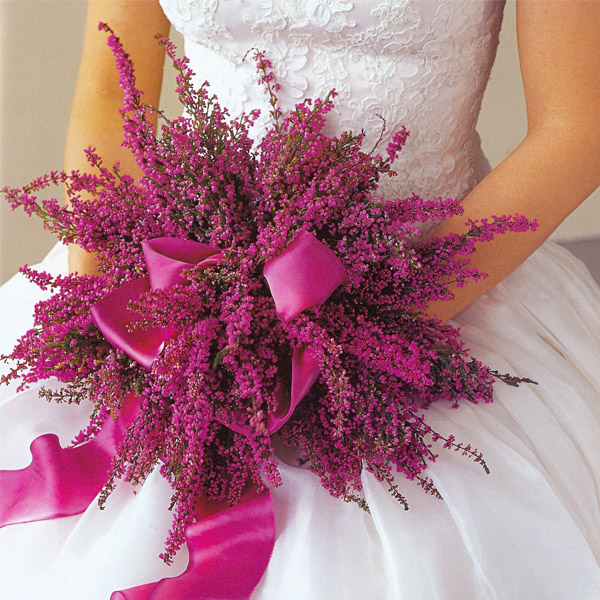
(305, 274)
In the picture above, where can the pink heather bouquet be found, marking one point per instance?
(294, 303)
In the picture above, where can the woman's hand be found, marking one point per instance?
(95, 119)
(557, 165)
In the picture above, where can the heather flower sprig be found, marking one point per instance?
(228, 360)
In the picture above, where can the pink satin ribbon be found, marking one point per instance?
(305, 371)
(230, 548)
(229, 553)
(61, 482)
(305, 274)
(165, 258)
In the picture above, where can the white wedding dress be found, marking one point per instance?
(531, 529)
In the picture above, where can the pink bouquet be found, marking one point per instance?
(251, 289)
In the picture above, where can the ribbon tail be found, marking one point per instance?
(61, 482)
(229, 553)
(305, 371)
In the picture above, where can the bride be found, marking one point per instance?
(532, 528)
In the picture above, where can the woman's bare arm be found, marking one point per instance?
(557, 165)
(95, 120)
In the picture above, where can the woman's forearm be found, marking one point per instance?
(95, 119)
(558, 163)
(546, 177)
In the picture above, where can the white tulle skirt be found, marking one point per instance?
(530, 530)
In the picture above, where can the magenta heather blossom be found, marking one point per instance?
(225, 365)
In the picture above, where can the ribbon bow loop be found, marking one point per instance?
(305, 274)
(166, 258)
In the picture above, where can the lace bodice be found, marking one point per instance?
(420, 63)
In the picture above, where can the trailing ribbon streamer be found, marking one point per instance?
(61, 482)
(229, 553)
(229, 547)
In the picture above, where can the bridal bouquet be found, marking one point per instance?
(251, 289)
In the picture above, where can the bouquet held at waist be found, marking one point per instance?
(249, 290)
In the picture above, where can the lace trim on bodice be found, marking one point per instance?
(421, 63)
